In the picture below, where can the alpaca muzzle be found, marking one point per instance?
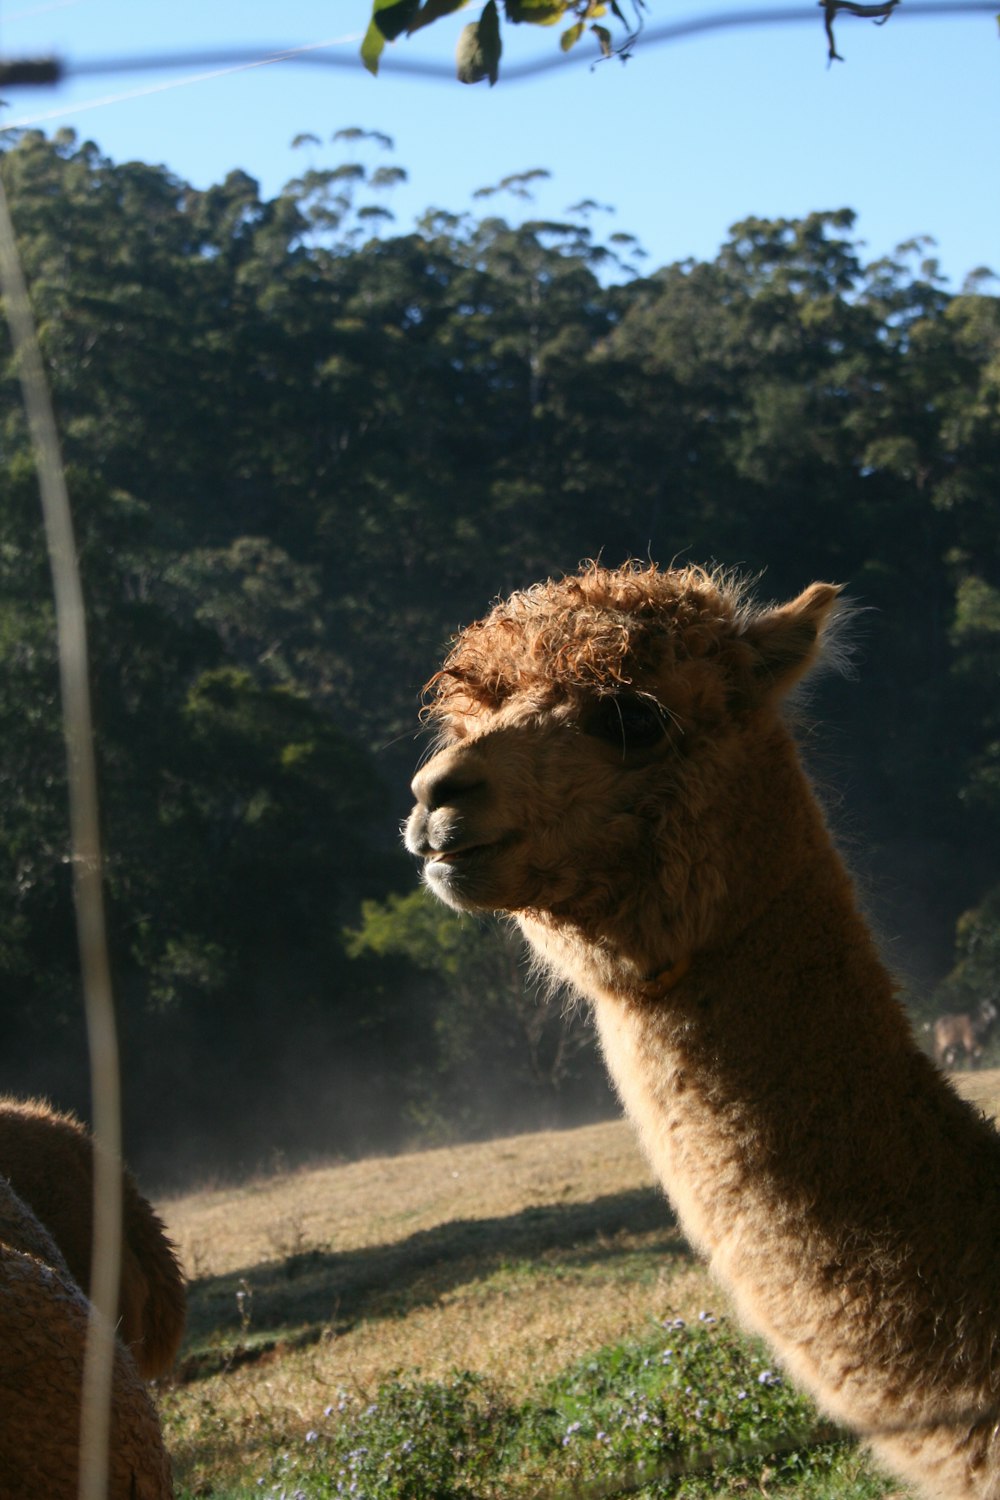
(454, 830)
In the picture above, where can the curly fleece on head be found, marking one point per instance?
(599, 630)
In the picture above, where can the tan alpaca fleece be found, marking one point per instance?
(616, 771)
(43, 1326)
(47, 1158)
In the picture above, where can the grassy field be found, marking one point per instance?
(519, 1317)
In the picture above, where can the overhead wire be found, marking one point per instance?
(254, 60)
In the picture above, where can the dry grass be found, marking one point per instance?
(439, 1252)
(511, 1258)
(385, 1199)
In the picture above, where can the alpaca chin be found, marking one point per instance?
(453, 883)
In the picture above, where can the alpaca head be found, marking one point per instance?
(590, 732)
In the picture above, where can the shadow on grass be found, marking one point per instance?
(297, 1300)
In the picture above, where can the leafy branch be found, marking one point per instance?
(477, 55)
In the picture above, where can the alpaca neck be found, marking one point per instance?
(843, 1194)
(784, 998)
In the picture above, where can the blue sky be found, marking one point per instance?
(681, 141)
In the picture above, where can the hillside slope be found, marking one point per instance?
(385, 1200)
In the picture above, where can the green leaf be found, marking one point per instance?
(603, 36)
(477, 55)
(489, 39)
(469, 66)
(571, 36)
(536, 12)
(393, 17)
(433, 10)
(371, 48)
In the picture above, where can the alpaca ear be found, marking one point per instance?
(786, 639)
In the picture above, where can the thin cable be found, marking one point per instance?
(85, 856)
(288, 54)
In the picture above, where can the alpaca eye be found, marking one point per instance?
(626, 720)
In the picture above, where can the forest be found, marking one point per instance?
(303, 449)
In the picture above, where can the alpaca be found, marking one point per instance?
(46, 1156)
(615, 771)
(43, 1327)
(963, 1034)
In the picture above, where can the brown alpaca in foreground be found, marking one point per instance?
(616, 772)
(43, 1327)
(46, 1157)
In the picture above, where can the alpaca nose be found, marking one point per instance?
(447, 779)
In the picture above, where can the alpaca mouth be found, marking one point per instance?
(471, 854)
(464, 878)
(458, 875)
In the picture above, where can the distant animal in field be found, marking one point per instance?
(46, 1156)
(43, 1326)
(962, 1037)
(615, 768)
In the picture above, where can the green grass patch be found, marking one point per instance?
(692, 1410)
